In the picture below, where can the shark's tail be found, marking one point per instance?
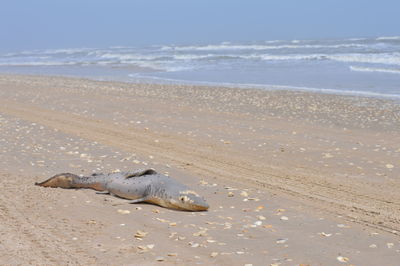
(67, 180)
(64, 180)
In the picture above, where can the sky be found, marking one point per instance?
(43, 24)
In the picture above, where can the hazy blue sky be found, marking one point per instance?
(33, 24)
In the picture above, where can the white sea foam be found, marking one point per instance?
(34, 63)
(375, 69)
(257, 47)
(386, 58)
(159, 66)
(121, 47)
(120, 56)
(156, 57)
(63, 51)
(169, 57)
(383, 58)
(274, 41)
(270, 57)
(356, 39)
(388, 38)
(163, 62)
(195, 56)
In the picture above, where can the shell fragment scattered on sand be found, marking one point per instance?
(342, 259)
(213, 254)
(194, 245)
(160, 258)
(123, 211)
(325, 234)
(343, 226)
(257, 223)
(201, 233)
(140, 234)
(244, 194)
(282, 240)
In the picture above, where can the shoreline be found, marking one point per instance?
(268, 87)
(263, 87)
(298, 155)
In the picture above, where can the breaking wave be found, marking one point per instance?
(375, 69)
(388, 38)
(257, 47)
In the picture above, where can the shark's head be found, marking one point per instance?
(60, 180)
(190, 201)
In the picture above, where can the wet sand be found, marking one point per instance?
(291, 177)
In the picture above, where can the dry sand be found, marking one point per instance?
(292, 178)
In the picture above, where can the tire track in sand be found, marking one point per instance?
(369, 205)
(28, 235)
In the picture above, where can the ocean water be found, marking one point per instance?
(359, 66)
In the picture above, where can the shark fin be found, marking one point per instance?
(140, 173)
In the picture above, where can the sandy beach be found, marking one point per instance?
(292, 178)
